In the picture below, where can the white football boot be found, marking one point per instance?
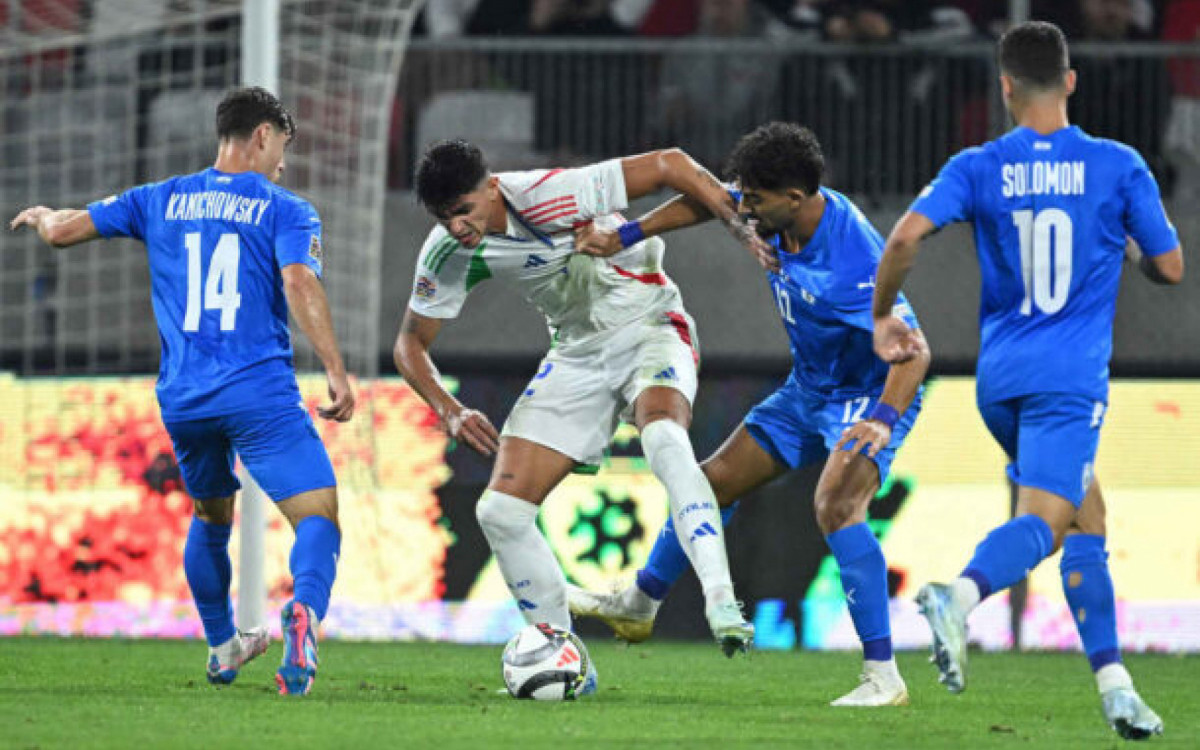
(225, 660)
(729, 627)
(949, 625)
(1128, 714)
(629, 611)
(879, 684)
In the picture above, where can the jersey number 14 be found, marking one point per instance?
(220, 286)
(1046, 243)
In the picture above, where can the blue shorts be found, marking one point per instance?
(280, 448)
(799, 428)
(1050, 440)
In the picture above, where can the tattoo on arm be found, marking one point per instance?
(410, 325)
(709, 180)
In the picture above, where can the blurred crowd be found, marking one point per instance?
(856, 21)
(890, 101)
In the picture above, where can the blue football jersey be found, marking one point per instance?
(823, 293)
(216, 243)
(1051, 214)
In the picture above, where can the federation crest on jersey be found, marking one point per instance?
(426, 288)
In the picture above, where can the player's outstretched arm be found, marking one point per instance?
(672, 168)
(58, 228)
(411, 354)
(309, 306)
(894, 340)
(677, 213)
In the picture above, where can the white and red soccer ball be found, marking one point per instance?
(545, 663)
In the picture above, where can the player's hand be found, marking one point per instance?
(341, 397)
(895, 342)
(747, 235)
(599, 243)
(868, 433)
(1133, 251)
(30, 217)
(471, 427)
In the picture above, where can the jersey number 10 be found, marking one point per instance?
(1046, 244)
(221, 285)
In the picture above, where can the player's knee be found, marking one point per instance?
(217, 511)
(834, 510)
(497, 520)
(322, 502)
(665, 441)
(718, 473)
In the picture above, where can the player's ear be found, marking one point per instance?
(1006, 86)
(1069, 82)
(796, 195)
(261, 135)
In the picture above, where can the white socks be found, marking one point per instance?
(528, 564)
(965, 593)
(693, 506)
(1113, 676)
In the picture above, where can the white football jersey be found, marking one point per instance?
(582, 297)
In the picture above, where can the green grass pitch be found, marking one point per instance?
(149, 694)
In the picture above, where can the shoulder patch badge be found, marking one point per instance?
(425, 288)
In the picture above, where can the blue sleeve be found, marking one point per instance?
(122, 215)
(298, 236)
(950, 197)
(1145, 217)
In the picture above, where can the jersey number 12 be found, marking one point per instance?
(221, 285)
(1046, 241)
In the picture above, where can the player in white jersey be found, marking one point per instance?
(623, 349)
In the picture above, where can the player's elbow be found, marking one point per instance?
(299, 280)
(1171, 269)
(406, 350)
(671, 163)
(402, 351)
(901, 245)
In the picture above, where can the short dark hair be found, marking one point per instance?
(447, 171)
(244, 109)
(1034, 54)
(778, 156)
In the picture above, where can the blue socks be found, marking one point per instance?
(1008, 553)
(313, 562)
(864, 579)
(1089, 591)
(208, 570)
(668, 560)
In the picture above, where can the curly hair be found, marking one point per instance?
(244, 109)
(447, 171)
(778, 156)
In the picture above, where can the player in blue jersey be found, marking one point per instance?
(841, 405)
(230, 254)
(1052, 208)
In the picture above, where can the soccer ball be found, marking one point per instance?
(545, 663)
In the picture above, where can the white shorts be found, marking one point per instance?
(578, 397)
